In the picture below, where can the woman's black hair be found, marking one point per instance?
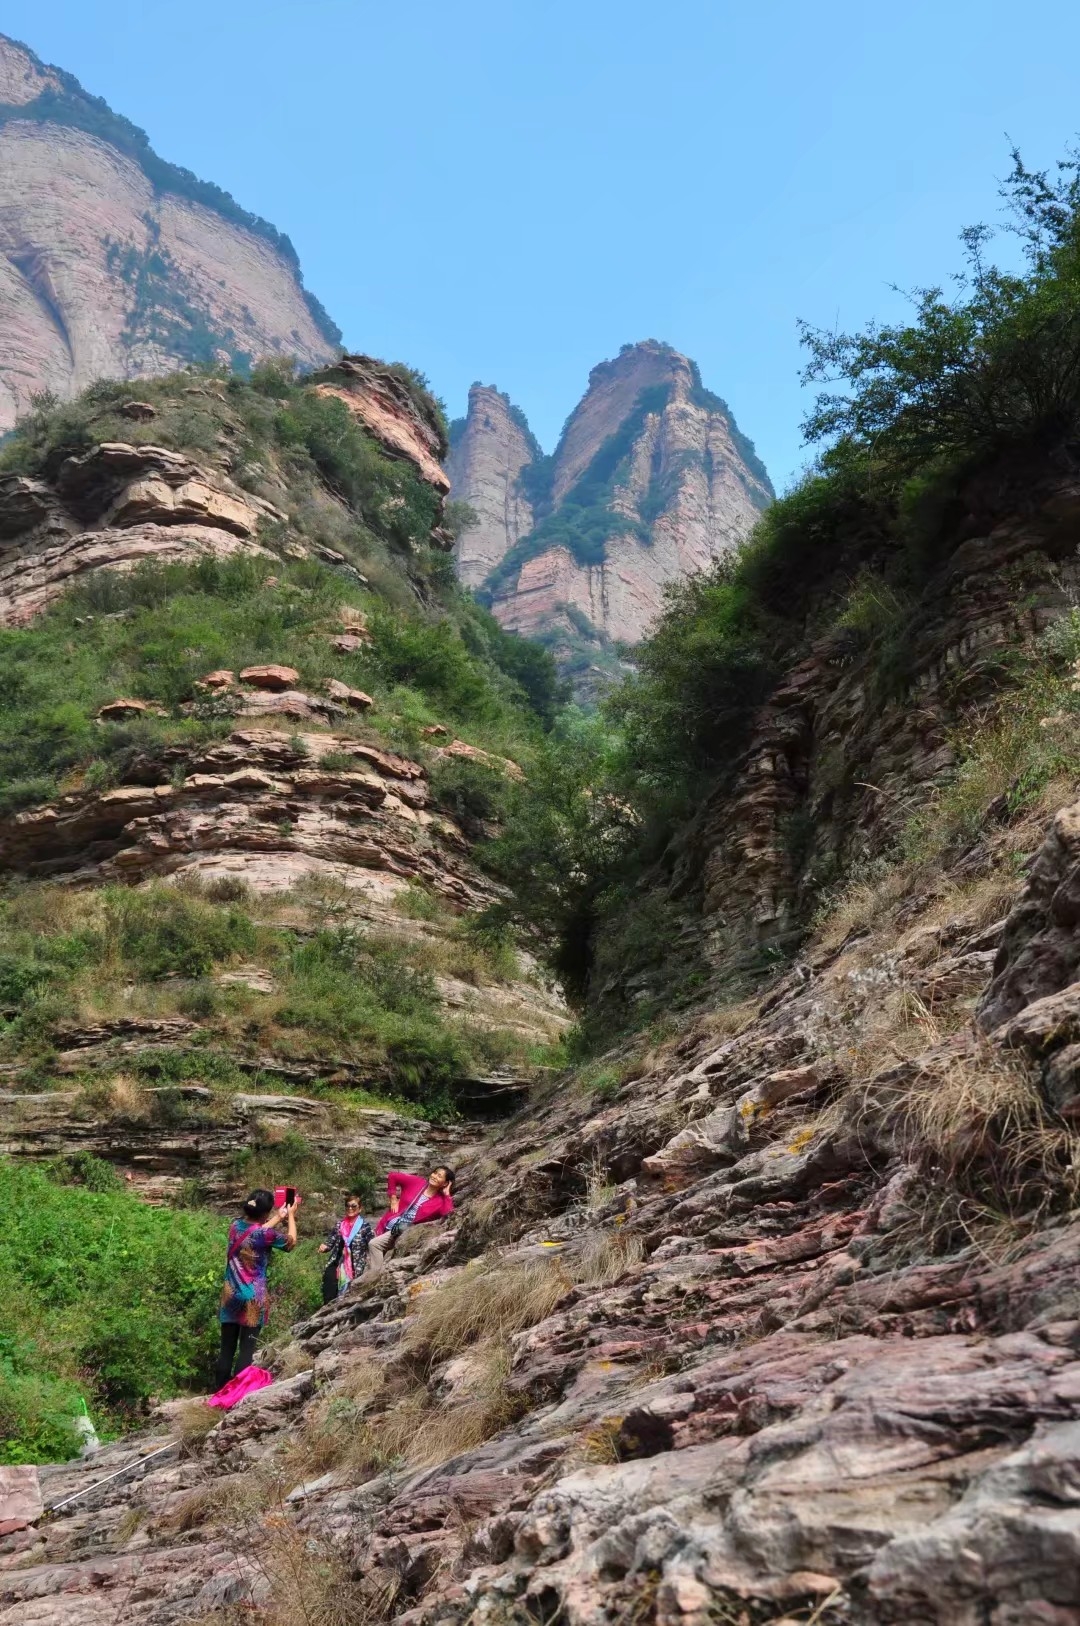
(259, 1204)
(448, 1171)
(355, 1196)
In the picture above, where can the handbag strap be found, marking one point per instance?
(238, 1242)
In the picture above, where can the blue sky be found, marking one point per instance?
(510, 191)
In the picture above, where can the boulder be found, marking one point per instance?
(275, 678)
(120, 711)
(355, 699)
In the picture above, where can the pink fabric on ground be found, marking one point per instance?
(244, 1383)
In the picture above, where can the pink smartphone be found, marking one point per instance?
(284, 1195)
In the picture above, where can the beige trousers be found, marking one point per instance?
(378, 1248)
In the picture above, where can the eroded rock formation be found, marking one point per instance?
(112, 265)
(760, 1389)
(651, 480)
(493, 447)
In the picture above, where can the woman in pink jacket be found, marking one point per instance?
(413, 1201)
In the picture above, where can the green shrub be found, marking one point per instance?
(127, 1309)
(161, 933)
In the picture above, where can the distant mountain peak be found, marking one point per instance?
(651, 480)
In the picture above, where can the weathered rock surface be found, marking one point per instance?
(183, 1133)
(686, 485)
(105, 275)
(388, 410)
(828, 750)
(484, 467)
(765, 1392)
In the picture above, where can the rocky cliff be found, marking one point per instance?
(286, 788)
(490, 449)
(114, 264)
(651, 480)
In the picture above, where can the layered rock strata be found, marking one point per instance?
(390, 412)
(830, 750)
(484, 468)
(765, 1388)
(112, 266)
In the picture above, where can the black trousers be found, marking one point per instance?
(233, 1337)
(329, 1284)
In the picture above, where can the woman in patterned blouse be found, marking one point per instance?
(347, 1245)
(244, 1298)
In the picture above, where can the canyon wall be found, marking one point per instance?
(115, 265)
(651, 480)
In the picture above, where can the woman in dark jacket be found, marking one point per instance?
(347, 1246)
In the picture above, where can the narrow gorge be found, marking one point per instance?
(736, 978)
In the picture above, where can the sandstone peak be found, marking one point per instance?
(650, 481)
(489, 449)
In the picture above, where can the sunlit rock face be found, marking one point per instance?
(650, 482)
(108, 271)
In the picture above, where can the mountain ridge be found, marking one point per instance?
(116, 263)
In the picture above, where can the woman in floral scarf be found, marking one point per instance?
(347, 1246)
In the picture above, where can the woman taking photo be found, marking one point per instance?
(244, 1299)
(347, 1246)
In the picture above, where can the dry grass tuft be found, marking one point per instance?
(194, 1420)
(991, 1158)
(605, 1256)
(311, 1584)
(481, 1305)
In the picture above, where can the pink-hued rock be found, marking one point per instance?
(29, 583)
(355, 699)
(274, 678)
(20, 1499)
(484, 468)
(684, 452)
(473, 753)
(68, 197)
(387, 410)
(222, 679)
(351, 643)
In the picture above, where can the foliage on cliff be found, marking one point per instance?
(909, 416)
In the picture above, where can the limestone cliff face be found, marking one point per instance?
(651, 480)
(115, 264)
(485, 466)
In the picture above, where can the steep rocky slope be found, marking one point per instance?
(702, 1348)
(771, 1314)
(295, 793)
(114, 264)
(650, 481)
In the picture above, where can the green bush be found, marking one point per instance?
(108, 1298)
(161, 933)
